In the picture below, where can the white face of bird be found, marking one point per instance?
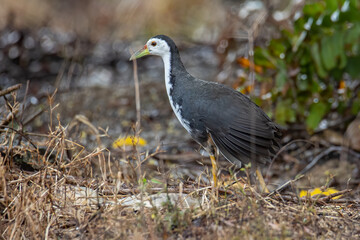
(154, 46)
(158, 47)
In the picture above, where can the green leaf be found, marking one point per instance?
(338, 46)
(322, 48)
(343, 60)
(316, 56)
(284, 112)
(277, 47)
(313, 9)
(317, 112)
(156, 181)
(331, 5)
(281, 76)
(303, 57)
(263, 58)
(328, 53)
(355, 108)
(302, 83)
(298, 40)
(354, 3)
(352, 66)
(314, 86)
(353, 34)
(352, 14)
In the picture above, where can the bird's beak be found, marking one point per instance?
(140, 53)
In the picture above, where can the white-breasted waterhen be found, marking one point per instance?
(219, 118)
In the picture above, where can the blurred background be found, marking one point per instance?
(299, 60)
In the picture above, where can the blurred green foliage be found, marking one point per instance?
(314, 64)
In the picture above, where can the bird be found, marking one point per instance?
(219, 118)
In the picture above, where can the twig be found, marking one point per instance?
(312, 164)
(283, 148)
(329, 197)
(137, 131)
(285, 185)
(322, 200)
(348, 201)
(137, 96)
(324, 153)
(22, 134)
(21, 125)
(157, 151)
(83, 119)
(10, 89)
(24, 103)
(8, 118)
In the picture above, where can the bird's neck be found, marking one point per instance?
(175, 75)
(173, 69)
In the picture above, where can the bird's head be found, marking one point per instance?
(159, 45)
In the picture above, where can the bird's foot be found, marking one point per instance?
(263, 187)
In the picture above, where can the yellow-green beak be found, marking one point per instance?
(140, 53)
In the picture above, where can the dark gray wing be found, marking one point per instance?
(239, 128)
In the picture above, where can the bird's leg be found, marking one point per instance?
(261, 181)
(211, 149)
(214, 169)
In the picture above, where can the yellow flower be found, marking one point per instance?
(318, 191)
(129, 141)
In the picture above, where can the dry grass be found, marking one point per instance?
(52, 187)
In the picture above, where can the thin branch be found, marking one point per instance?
(331, 196)
(137, 96)
(313, 163)
(10, 89)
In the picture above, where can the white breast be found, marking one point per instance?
(176, 108)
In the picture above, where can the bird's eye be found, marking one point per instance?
(153, 43)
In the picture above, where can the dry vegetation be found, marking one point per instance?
(52, 187)
(60, 180)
